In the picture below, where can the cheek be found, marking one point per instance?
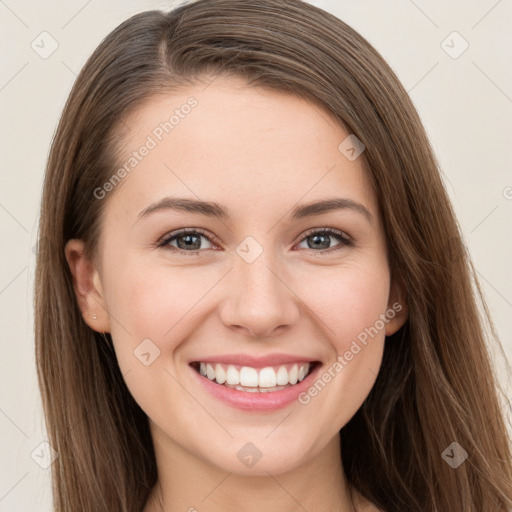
(348, 300)
(350, 308)
(152, 302)
(149, 310)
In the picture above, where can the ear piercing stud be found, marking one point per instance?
(94, 317)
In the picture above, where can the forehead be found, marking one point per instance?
(232, 143)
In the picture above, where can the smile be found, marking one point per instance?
(255, 380)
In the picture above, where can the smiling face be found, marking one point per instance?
(255, 281)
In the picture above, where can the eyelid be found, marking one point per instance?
(174, 234)
(331, 231)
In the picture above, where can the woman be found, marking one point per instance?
(254, 293)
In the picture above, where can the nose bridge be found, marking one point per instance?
(259, 299)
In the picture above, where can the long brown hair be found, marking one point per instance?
(436, 385)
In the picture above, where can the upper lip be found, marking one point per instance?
(255, 361)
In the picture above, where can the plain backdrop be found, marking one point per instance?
(461, 84)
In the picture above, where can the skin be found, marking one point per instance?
(258, 153)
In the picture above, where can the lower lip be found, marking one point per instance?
(257, 401)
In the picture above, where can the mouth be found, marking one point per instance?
(248, 379)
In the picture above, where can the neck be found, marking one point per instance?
(189, 483)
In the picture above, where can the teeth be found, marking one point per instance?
(282, 376)
(220, 374)
(233, 375)
(248, 377)
(210, 372)
(267, 378)
(293, 374)
(254, 380)
(257, 390)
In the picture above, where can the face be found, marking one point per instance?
(257, 287)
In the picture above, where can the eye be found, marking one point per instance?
(189, 240)
(321, 239)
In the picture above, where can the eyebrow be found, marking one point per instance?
(211, 209)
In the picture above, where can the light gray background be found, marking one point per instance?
(465, 104)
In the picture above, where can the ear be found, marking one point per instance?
(88, 288)
(397, 304)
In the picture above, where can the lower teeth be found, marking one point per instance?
(256, 390)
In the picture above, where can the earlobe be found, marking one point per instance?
(398, 308)
(87, 286)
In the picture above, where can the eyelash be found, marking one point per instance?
(340, 236)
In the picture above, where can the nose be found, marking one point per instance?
(259, 299)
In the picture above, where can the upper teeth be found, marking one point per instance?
(247, 376)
